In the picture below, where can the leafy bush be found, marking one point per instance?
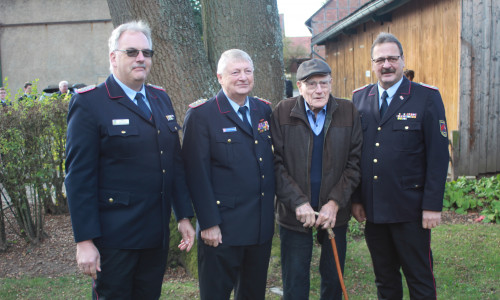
(481, 195)
(32, 138)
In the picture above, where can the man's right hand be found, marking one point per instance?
(212, 236)
(358, 212)
(88, 258)
(306, 215)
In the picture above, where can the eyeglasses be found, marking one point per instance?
(312, 85)
(390, 59)
(135, 52)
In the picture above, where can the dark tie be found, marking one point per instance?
(243, 111)
(384, 106)
(142, 105)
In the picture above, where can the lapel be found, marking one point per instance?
(155, 107)
(299, 111)
(255, 114)
(116, 93)
(227, 110)
(400, 97)
(373, 102)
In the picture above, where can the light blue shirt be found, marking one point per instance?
(131, 93)
(390, 92)
(316, 122)
(236, 106)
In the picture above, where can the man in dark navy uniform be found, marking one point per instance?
(124, 173)
(227, 151)
(404, 167)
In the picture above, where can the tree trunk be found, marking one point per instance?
(252, 26)
(3, 236)
(180, 63)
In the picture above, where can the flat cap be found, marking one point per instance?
(312, 67)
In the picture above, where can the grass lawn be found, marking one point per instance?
(466, 258)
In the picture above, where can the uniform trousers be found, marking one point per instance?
(222, 268)
(296, 254)
(130, 274)
(406, 246)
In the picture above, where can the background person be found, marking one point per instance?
(3, 97)
(27, 92)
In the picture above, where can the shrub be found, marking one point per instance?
(32, 135)
(481, 195)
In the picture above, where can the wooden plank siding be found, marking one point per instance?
(451, 44)
(478, 141)
(428, 31)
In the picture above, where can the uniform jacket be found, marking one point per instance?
(124, 172)
(405, 154)
(230, 170)
(293, 146)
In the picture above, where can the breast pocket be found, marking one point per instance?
(119, 140)
(227, 145)
(408, 136)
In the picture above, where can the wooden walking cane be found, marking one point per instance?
(331, 236)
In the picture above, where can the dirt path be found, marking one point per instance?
(56, 255)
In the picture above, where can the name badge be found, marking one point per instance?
(117, 122)
(229, 129)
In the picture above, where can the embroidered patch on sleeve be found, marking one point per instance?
(442, 128)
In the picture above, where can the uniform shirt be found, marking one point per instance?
(131, 93)
(316, 122)
(390, 92)
(236, 106)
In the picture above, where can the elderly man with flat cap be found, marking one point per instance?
(317, 145)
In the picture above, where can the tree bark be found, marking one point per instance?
(180, 63)
(252, 26)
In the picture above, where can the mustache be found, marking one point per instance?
(388, 70)
(139, 66)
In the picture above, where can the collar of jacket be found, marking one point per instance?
(299, 110)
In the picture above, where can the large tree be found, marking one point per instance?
(185, 63)
(253, 26)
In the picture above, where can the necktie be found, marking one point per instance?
(384, 106)
(243, 111)
(142, 105)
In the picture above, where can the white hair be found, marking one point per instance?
(64, 82)
(232, 55)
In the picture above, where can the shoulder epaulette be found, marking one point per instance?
(86, 89)
(198, 103)
(429, 86)
(156, 87)
(361, 88)
(263, 100)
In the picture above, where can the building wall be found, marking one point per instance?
(429, 31)
(476, 144)
(332, 12)
(54, 40)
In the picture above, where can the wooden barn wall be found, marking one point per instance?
(477, 142)
(429, 32)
